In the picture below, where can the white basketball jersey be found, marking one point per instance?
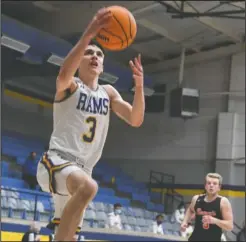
(80, 124)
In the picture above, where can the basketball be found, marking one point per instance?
(120, 32)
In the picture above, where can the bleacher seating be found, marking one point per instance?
(19, 202)
(20, 147)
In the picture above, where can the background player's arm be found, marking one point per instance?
(190, 211)
(133, 115)
(72, 61)
(226, 223)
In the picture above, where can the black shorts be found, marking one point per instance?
(202, 238)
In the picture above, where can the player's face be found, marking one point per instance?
(92, 61)
(212, 186)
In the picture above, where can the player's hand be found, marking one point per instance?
(99, 21)
(183, 227)
(207, 219)
(137, 70)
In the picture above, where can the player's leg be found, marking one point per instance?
(82, 189)
(57, 175)
(59, 204)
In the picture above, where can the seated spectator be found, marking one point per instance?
(30, 169)
(114, 220)
(241, 236)
(180, 213)
(157, 225)
(32, 234)
(223, 237)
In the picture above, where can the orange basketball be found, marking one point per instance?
(121, 30)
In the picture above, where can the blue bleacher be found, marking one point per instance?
(4, 168)
(159, 208)
(12, 182)
(150, 206)
(20, 147)
(106, 191)
(107, 178)
(26, 196)
(112, 199)
(125, 188)
(140, 198)
(8, 172)
(122, 201)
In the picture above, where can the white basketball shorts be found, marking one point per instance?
(53, 170)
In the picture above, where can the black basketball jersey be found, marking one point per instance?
(206, 232)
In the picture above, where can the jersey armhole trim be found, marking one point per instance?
(67, 95)
(221, 207)
(193, 209)
(105, 90)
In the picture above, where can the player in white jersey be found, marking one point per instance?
(81, 119)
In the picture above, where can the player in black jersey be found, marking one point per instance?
(213, 213)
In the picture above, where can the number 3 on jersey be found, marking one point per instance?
(89, 136)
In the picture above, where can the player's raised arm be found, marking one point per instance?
(132, 114)
(73, 59)
(138, 106)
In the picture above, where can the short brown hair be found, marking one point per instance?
(159, 216)
(117, 205)
(94, 42)
(215, 175)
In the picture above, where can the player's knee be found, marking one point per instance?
(92, 187)
(95, 186)
(88, 189)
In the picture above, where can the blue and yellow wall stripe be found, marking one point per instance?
(28, 99)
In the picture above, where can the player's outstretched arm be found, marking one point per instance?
(226, 223)
(132, 114)
(73, 59)
(138, 106)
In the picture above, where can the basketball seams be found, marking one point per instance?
(109, 32)
(122, 28)
(130, 25)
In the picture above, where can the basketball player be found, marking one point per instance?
(213, 213)
(81, 119)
